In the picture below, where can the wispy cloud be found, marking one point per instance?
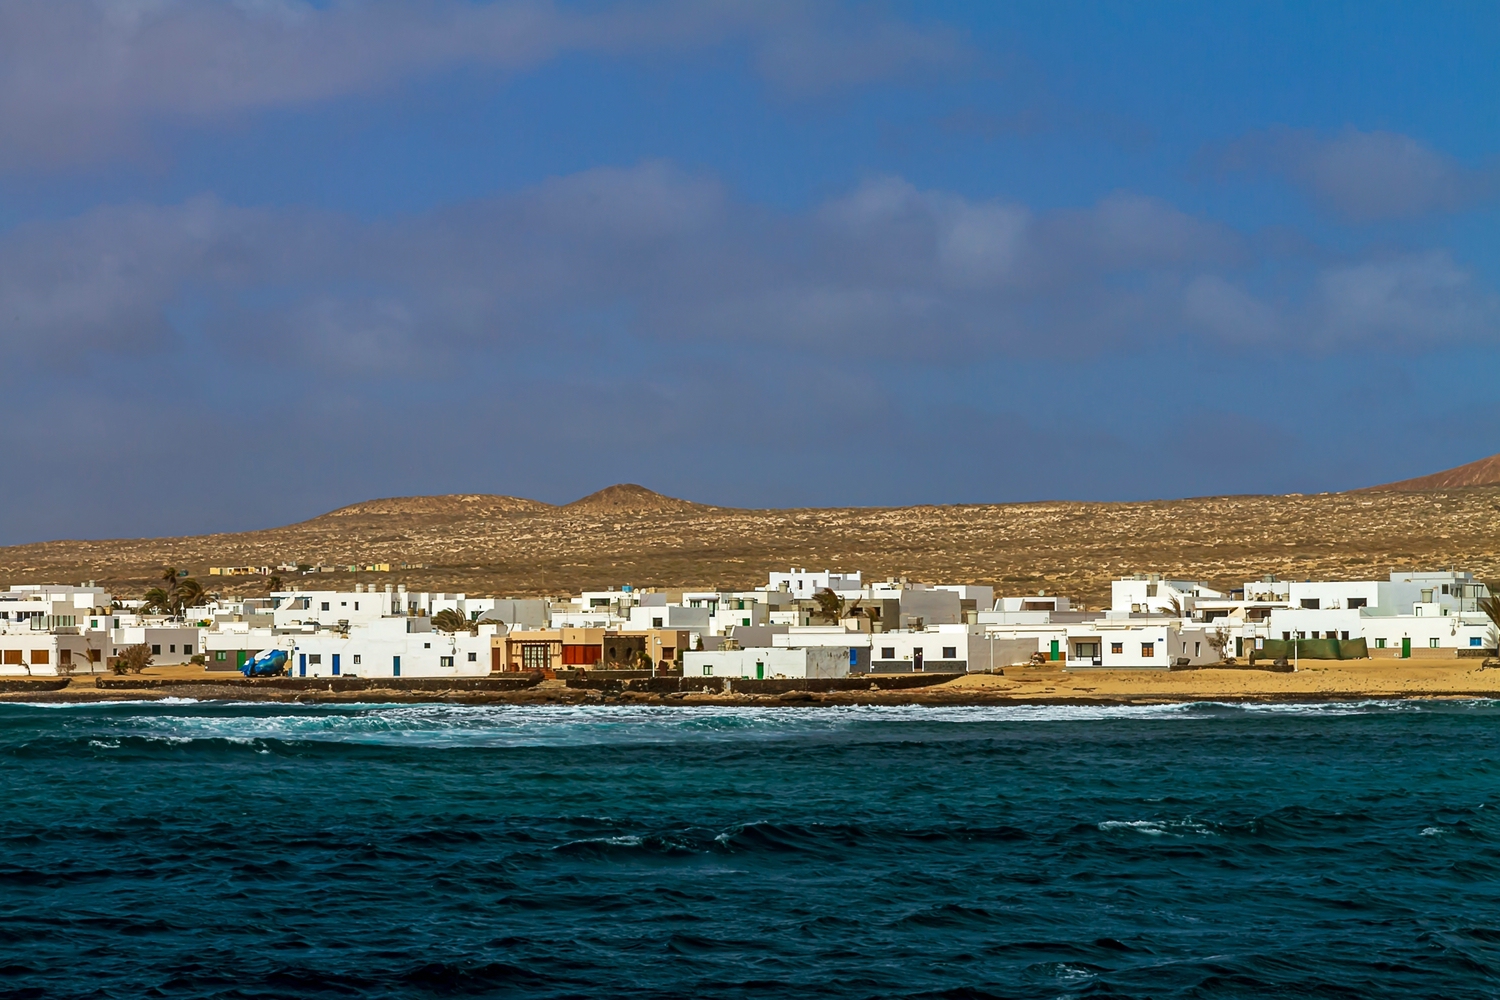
(1363, 176)
(82, 79)
(673, 259)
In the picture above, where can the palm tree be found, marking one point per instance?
(449, 620)
(157, 600)
(188, 594)
(1490, 604)
(830, 605)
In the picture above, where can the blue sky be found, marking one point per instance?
(261, 259)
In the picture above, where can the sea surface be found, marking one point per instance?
(238, 850)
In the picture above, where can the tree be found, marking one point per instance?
(132, 659)
(158, 600)
(275, 583)
(830, 605)
(449, 620)
(188, 594)
(1218, 641)
(1176, 607)
(1490, 603)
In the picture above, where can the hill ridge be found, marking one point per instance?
(1483, 472)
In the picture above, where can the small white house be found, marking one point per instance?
(394, 647)
(1123, 644)
(767, 663)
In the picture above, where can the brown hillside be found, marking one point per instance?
(496, 547)
(1485, 472)
(628, 498)
(455, 505)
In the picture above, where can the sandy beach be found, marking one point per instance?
(1314, 681)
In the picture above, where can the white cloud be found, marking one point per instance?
(83, 79)
(888, 270)
(1365, 176)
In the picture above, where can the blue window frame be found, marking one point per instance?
(395, 666)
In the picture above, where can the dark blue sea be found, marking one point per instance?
(219, 850)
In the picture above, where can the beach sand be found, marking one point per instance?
(1325, 680)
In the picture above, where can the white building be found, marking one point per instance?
(804, 585)
(766, 663)
(1121, 643)
(394, 647)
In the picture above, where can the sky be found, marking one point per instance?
(263, 258)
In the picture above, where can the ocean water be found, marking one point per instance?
(228, 850)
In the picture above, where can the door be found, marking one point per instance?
(1054, 649)
(335, 664)
(1406, 647)
(760, 671)
(239, 658)
(536, 656)
(301, 664)
(395, 666)
(916, 660)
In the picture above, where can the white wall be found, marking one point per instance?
(371, 651)
(798, 664)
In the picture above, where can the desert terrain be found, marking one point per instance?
(482, 544)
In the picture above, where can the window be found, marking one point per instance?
(117, 623)
(325, 605)
(656, 623)
(1344, 635)
(356, 605)
(356, 659)
(220, 655)
(188, 649)
(1117, 647)
(708, 670)
(1311, 603)
(950, 652)
(1330, 634)
(426, 645)
(395, 666)
(473, 657)
(93, 623)
(172, 648)
(1148, 649)
(1474, 640)
(887, 652)
(1302, 635)
(744, 621)
(1379, 643)
(156, 650)
(40, 656)
(315, 658)
(12, 656)
(1356, 602)
(1197, 648)
(445, 661)
(1286, 637)
(1432, 644)
(1445, 588)
(343, 604)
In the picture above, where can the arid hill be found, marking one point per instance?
(503, 545)
(629, 498)
(1485, 472)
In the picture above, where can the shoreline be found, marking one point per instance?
(1337, 681)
